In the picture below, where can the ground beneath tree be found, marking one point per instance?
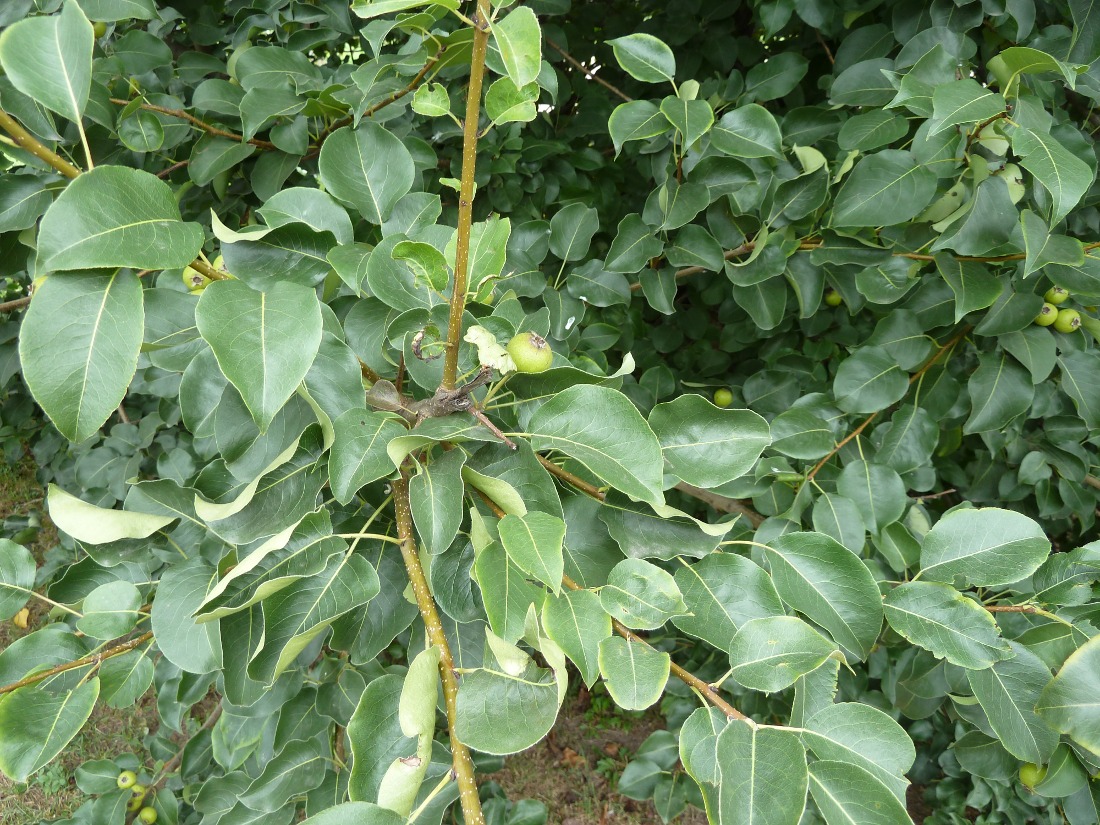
(575, 769)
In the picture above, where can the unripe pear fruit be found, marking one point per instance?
(530, 352)
(127, 779)
(99, 28)
(1068, 320)
(148, 815)
(194, 280)
(1056, 295)
(833, 298)
(1031, 775)
(723, 397)
(1047, 315)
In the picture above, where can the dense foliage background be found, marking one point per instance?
(868, 565)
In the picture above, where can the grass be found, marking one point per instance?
(52, 792)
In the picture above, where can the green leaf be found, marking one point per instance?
(505, 102)
(884, 189)
(602, 430)
(641, 595)
(974, 287)
(963, 101)
(748, 132)
(190, 646)
(505, 591)
(847, 793)
(1070, 702)
(722, 592)
(634, 245)
(644, 57)
(113, 10)
(869, 380)
(571, 231)
(367, 167)
(577, 621)
(435, 495)
(763, 776)
(36, 725)
(878, 492)
(112, 217)
(635, 120)
(942, 620)
(99, 525)
(23, 199)
(79, 346)
(636, 674)
(376, 8)
(983, 547)
(1008, 693)
(358, 813)
(49, 59)
(110, 611)
(692, 118)
(821, 578)
(775, 77)
(298, 614)
(865, 736)
(534, 543)
(265, 342)
(707, 446)
(376, 738)
(520, 42)
(1064, 175)
(508, 710)
(1000, 391)
(17, 572)
(297, 768)
(769, 654)
(1080, 372)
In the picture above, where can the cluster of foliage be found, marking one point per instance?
(296, 266)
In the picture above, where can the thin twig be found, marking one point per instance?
(209, 128)
(92, 659)
(951, 342)
(164, 173)
(466, 194)
(25, 140)
(588, 73)
(685, 676)
(825, 46)
(1012, 608)
(723, 504)
(463, 762)
(569, 477)
(396, 96)
(17, 303)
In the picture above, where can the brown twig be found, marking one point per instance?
(1013, 608)
(164, 173)
(1093, 482)
(396, 96)
(685, 676)
(825, 46)
(209, 128)
(463, 762)
(588, 73)
(17, 303)
(723, 504)
(93, 659)
(25, 140)
(569, 477)
(466, 193)
(951, 342)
